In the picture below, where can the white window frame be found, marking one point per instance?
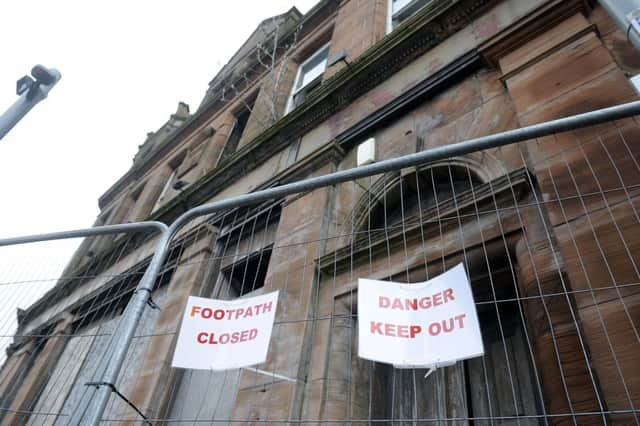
(295, 91)
(390, 12)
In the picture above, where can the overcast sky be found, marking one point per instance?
(125, 65)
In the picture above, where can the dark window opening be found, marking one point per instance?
(240, 123)
(248, 274)
(434, 186)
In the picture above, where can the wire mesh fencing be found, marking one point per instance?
(59, 321)
(547, 230)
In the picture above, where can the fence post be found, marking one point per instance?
(123, 334)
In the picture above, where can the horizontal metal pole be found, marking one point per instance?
(87, 232)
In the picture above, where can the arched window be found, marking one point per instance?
(422, 190)
(396, 198)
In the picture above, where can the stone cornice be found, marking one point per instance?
(498, 193)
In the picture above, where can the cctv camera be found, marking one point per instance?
(43, 75)
(24, 84)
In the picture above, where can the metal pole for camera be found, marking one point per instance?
(31, 90)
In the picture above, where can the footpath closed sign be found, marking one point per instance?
(224, 334)
(419, 325)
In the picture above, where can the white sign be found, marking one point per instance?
(427, 324)
(225, 334)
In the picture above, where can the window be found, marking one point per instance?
(239, 124)
(308, 77)
(245, 248)
(165, 189)
(243, 251)
(168, 189)
(248, 274)
(401, 10)
(434, 185)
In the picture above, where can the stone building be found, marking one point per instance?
(547, 229)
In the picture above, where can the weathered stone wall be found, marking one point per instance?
(573, 68)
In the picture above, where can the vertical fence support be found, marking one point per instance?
(126, 328)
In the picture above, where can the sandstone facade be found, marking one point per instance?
(547, 229)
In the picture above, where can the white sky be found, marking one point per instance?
(125, 65)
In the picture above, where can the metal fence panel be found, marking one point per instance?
(546, 228)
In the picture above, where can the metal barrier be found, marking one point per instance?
(512, 221)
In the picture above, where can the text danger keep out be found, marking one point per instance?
(232, 337)
(410, 331)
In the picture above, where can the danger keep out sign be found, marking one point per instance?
(223, 334)
(419, 325)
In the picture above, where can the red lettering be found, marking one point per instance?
(375, 327)
(447, 328)
(227, 338)
(207, 313)
(414, 304)
(448, 295)
(403, 331)
(411, 304)
(266, 307)
(425, 303)
(239, 312)
(437, 299)
(390, 330)
(434, 328)
(248, 312)
(414, 329)
(218, 314)
(447, 325)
